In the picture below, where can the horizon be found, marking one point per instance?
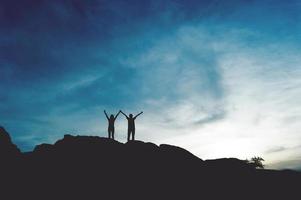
(124, 142)
(220, 79)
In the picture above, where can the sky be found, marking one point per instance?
(218, 78)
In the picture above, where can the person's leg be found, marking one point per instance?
(109, 133)
(133, 134)
(113, 132)
(129, 133)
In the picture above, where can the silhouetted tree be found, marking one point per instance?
(256, 162)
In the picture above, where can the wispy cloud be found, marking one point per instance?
(257, 93)
(218, 78)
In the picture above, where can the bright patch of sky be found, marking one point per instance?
(219, 78)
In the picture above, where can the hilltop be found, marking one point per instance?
(89, 167)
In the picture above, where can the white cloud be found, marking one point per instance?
(261, 89)
(211, 93)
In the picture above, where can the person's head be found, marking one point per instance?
(112, 117)
(131, 116)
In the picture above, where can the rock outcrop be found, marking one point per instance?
(7, 148)
(86, 167)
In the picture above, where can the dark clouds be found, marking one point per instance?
(60, 57)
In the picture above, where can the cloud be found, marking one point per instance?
(275, 150)
(254, 94)
(287, 164)
(219, 115)
(218, 78)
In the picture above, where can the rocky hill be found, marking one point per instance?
(7, 148)
(86, 167)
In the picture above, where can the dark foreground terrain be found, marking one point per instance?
(81, 167)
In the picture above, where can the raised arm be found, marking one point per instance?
(138, 115)
(124, 114)
(106, 114)
(117, 114)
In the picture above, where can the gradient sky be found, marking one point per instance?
(219, 78)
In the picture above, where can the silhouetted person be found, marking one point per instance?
(111, 127)
(131, 124)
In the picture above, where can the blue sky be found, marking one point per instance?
(219, 78)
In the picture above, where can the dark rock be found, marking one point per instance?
(7, 148)
(43, 148)
(90, 167)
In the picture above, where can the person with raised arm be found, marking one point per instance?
(111, 127)
(131, 124)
